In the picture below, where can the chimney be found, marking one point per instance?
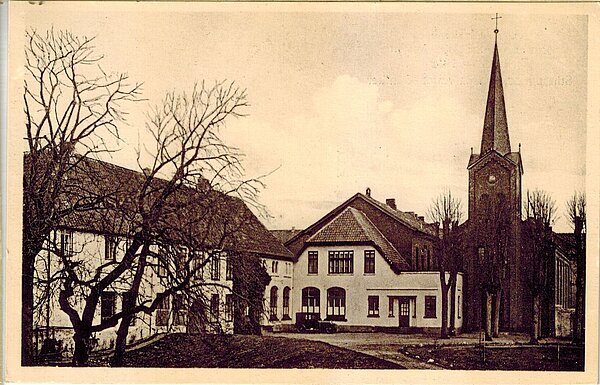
(368, 192)
(421, 218)
(391, 202)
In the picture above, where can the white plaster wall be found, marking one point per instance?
(88, 248)
(359, 286)
(281, 279)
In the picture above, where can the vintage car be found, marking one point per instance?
(306, 322)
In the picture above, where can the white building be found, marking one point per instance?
(95, 243)
(349, 272)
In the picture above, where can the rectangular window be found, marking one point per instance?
(286, 303)
(430, 306)
(110, 248)
(229, 268)
(162, 312)
(197, 260)
(391, 306)
(179, 310)
(66, 243)
(108, 305)
(229, 307)
(341, 262)
(369, 261)
(214, 307)
(458, 307)
(417, 265)
(215, 266)
(161, 263)
(313, 262)
(373, 306)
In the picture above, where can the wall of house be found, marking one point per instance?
(89, 251)
(281, 273)
(384, 284)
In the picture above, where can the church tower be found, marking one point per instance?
(495, 285)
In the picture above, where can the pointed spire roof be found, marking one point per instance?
(495, 126)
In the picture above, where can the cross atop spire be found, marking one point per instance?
(496, 18)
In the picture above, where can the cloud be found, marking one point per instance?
(350, 138)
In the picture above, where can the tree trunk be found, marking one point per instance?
(496, 312)
(128, 305)
(444, 287)
(81, 353)
(488, 316)
(121, 342)
(535, 323)
(452, 329)
(27, 348)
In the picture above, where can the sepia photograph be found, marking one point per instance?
(301, 186)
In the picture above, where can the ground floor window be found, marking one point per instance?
(229, 307)
(108, 305)
(430, 306)
(373, 306)
(273, 304)
(311, 300)
(391, 307)
(336, 304)
(458, 306)
(162, 312)
(286, 303)
(179, 310)
(214, 307)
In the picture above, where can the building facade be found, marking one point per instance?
(498, 259)
(233, 242)
(349, 270)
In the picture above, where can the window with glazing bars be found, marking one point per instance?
(341, 262)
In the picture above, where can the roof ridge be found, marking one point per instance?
(397, 214)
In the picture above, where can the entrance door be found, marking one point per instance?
(404, 312)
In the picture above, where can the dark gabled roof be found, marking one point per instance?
(214, 218)
(407, 219)
(352, 226)
(284, 235)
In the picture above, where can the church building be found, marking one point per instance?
(497, 260)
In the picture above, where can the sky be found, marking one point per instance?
(343, 98)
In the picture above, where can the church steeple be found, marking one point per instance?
(495, 126)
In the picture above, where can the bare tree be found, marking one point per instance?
(541, 214)
(576, 214)
(69, 102)
(492, 253)
(188, 199)
(447, 210)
